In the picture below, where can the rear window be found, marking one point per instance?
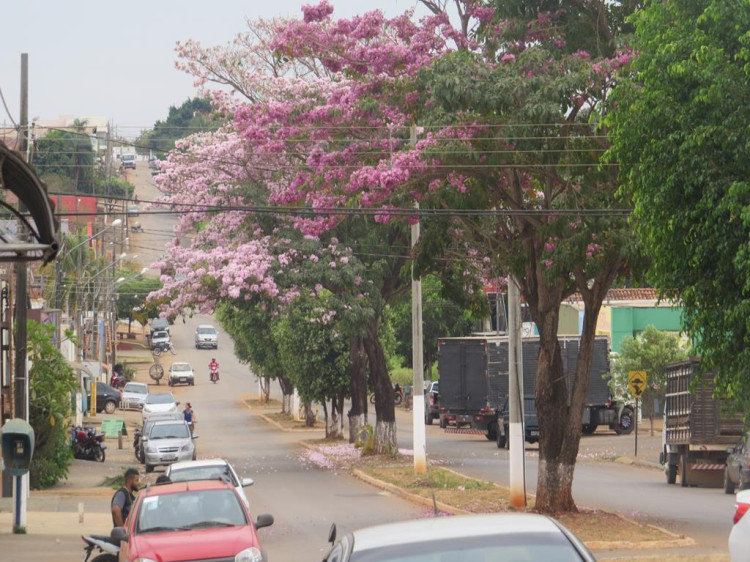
(128, 157)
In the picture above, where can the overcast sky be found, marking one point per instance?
(116, 59)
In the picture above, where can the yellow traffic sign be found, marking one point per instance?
(637, 382)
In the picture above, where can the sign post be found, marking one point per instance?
(637, 385)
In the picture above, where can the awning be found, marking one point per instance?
(37, 236)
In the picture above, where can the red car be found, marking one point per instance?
(191, 521)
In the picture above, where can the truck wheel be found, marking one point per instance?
(671, 473)
(683, 471)
(626, 423)
(427, 417)
(589, 428)
(443, 423)
(507, 439)
(728, 485)
(491, 434)
(741, 484)
(501, 440)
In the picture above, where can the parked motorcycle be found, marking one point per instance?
(137, 445)
(117, 380)
(214, 375)
(88, 445)
(107, 546)
(398, 396)
(160, 348)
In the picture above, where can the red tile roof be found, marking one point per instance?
(627, 294)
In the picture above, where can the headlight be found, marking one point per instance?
(151, 449)
(251, 554)
(186, 447)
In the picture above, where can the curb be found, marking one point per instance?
(674, 542)
(274, 423)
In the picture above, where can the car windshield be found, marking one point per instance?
(194, 509)
(550, 547)
(181, 367)
(163, 398)
(169, 431)
(202, 473)
(206, 331)
(136, 388)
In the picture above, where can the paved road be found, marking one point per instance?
(303, 498)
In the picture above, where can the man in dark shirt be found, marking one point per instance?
(124, 497)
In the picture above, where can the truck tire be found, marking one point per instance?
(443, 423)
(671, 473)
(741, 484)
(427, 417)
(589, 428)
(626, 423)
(491, 434)
(507, 439)
(501, 440)
(728, 485)
(683, 471)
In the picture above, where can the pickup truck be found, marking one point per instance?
(530, 423)
(431, 402)
(128, 161)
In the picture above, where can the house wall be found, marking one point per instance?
(630, 320)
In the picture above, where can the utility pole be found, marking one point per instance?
(417, 346)
(21, 410)
(515, 400)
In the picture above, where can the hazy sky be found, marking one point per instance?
(116, 59)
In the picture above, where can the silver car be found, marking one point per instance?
(206, 336)
(168, 442)
(134, 395)
(500, 536)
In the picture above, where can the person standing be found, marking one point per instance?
(189, 416)
(123, 499)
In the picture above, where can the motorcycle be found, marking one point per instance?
(88, 445)
(137, 445)
(214, 375)
(107, 546)
(160, 348)
(117, 380)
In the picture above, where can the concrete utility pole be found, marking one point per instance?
(420, 440)
(515, 400)
(21, 410)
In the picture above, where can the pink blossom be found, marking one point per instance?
(508, 57)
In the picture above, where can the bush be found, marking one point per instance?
(50, 462)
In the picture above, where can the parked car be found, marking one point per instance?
(107, 398)
(160, 338)
(206, 336)
(146, 428)
(739, 538)
(501, 536)
(181, 373)
(431, 402)
(209, 469)
(530, 422)
(133, 210)
(167, 442)
(159, 403)
(196, 521)
(737, 469)
(159, 325)
(134, 395)
(128, 161)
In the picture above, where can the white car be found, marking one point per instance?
(161, 403)
(206, 336)
(739, 538)
(209, 469)
(181, 373)
(134, 395)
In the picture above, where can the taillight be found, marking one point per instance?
(741, 509)
(432, 399)
(487, 410)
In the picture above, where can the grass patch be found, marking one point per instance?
(115, 482)
(286, 421)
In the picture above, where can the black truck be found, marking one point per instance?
(474, 382)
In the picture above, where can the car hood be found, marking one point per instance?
(164, 443)
(134, 396)
(160, 407)
(194, 545)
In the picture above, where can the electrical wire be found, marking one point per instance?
(7, 111)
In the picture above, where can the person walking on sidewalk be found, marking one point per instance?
(124, 497)
(189, 416)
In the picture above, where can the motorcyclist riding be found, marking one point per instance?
(213, 367)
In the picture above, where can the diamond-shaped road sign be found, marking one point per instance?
(637, 382)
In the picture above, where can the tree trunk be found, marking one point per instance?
(266, 389)
(287, 392)
(385, 441)
(340, 408)
(309, 415)
(358, 376)
(325, 418)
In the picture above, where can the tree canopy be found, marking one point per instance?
(680, 133)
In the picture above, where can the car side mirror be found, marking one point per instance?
(247, 482)
(177, 403)
(264, 520)
(119, 534)
(194, 436)
(332, 534)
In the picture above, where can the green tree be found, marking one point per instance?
(315, 355)
(131, 296)
(649, 351)
(193, 116)
(51, 381)
(68, 154)
(680, 133)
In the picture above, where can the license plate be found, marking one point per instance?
(183, 379)
(169, 459)
(534, 433)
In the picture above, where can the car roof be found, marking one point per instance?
(133, 383)
(187, 486)
(180, 363)
(170, 422)
(197, 464)
(206, 326)
(440, 528)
